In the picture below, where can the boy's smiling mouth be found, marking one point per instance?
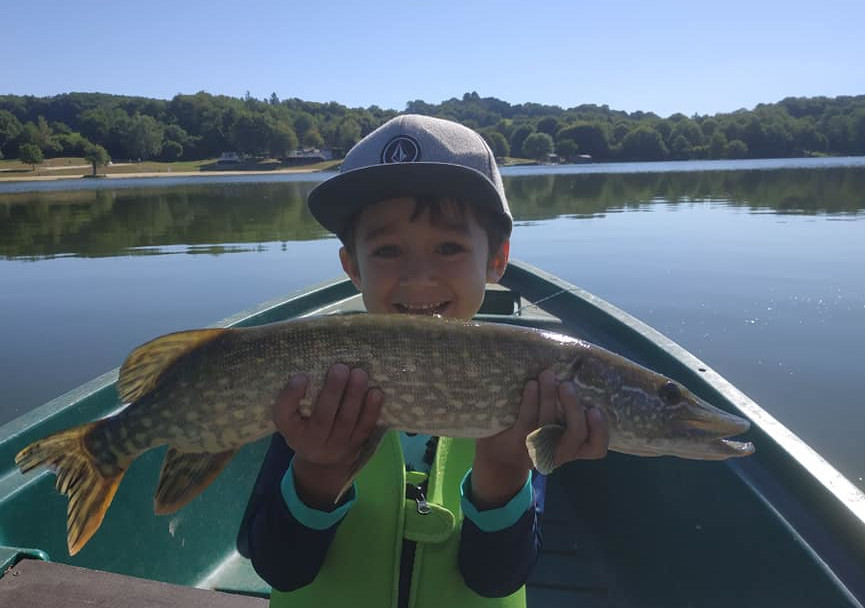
(421, 308)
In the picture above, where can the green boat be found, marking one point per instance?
(779, 528)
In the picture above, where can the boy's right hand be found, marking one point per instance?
(327, 443)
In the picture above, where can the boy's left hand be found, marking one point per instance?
(502, 463)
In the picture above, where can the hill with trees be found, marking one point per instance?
(203, 125)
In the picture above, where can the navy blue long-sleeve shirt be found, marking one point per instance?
(289, 555)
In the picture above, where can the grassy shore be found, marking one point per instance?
(72, 167)
(511, 161)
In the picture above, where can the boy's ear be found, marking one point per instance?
(349, 265)
(498, 262)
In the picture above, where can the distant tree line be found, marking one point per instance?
(202, 126)
(189, 127)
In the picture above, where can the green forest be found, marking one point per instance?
(202, 126)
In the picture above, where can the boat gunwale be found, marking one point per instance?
(783, 465)
(794, 446)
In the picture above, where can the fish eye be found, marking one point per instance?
(670, 393)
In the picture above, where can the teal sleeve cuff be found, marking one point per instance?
(309, 517)
(493, 520)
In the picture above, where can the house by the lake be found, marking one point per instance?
(229, 158)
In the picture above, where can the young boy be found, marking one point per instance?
(421, 212)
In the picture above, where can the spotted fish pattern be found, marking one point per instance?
(205, 393)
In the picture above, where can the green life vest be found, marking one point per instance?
(362, 565)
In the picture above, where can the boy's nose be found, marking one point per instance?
(418, 271)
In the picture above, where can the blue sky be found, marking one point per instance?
(663, 56)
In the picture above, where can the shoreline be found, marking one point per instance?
(116, 171)
(113, 176)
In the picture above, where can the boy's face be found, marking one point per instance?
(404, 266)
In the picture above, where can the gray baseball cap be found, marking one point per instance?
(411, 155)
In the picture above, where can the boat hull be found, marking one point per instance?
(781, 527)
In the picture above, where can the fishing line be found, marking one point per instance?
(536, 303)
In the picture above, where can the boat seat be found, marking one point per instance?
(236, 575)
(499, 300)
(40, 584)
(571, 570)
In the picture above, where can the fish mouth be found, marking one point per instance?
(709, 431)
(714, 423)
(422, 308)
(727, 448)
(690, 449)
(717, 449)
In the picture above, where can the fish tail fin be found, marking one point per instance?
(542, 444)
(89, 483)
(185, 475)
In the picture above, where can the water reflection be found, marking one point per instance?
(827, 191)
(98, 223)
(204, 216)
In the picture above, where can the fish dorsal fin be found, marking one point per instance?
(142, 369)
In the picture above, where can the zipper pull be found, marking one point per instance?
(422, 505)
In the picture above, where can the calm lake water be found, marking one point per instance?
(757, 267)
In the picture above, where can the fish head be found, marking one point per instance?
(652, 415)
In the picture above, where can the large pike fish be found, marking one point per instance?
(205, 393)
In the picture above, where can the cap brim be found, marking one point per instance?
(336, 201)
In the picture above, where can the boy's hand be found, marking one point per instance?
(502, 462)
(328, 442)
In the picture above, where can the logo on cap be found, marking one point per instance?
(401, 149)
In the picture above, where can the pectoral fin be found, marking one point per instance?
(185, 475)
(542, 444)
(367, 451)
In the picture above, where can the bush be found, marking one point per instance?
(171, 151)
(538, 146)
(97, 156)
(30, 154)
(736, 149)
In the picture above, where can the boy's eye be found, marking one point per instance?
(386, 251)
(450, 248)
